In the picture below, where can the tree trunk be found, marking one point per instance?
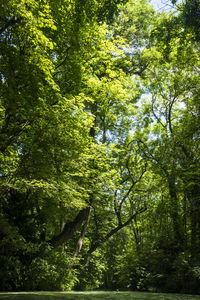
(179, 237)
(69, 229)
(83, 231)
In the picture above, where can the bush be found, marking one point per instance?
(10, 276)
(91, 274)
(37, 268)
(51, 271)
(186, 276)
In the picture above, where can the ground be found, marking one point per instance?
(94, 296)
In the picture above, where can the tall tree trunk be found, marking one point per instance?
(69, 229)
(194, 200)
(179, 237)
(82, 236)
(62, 225)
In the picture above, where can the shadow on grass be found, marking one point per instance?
(94, 296)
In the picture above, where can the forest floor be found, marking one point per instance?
(94, 296)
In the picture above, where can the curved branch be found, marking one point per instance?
(114, 231)
(83, 231)
(170, 113)
(157, 118)
(70, 228)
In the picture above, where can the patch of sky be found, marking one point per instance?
(165, 5)
(160, 5)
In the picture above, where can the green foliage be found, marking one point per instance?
(91, 274)
(99, 143)
(11, 278)
(52, 271)
(190, 16)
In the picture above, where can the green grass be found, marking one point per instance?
(94, 296)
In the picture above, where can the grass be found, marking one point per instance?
(93, 296)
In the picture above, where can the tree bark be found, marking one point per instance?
(70, 228)
(83, 231)
(177, 224)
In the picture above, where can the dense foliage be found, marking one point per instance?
(99, 146)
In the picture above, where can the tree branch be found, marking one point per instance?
(70, 228)
(170, 113)
(11, 22)
(114, 231)
(83, 231)
(157, 118)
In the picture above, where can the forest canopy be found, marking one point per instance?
(99, 145)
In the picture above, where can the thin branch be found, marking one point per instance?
(16, 134)
(169, 114)
(114, 231)
(157, 118)
(130, 189)
(63, 60)
(11, 22)
(151, 156)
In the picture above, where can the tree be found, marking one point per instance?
(99, 146)
(45, 141)
(169, 122)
